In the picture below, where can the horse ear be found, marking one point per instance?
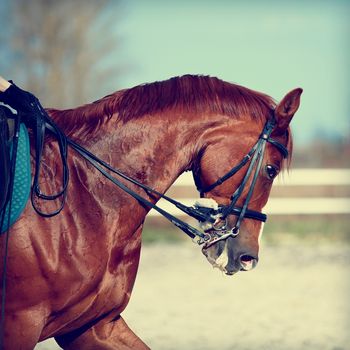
(286, 109)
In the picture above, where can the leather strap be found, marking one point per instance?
(255, 156)
(40, 122)
(188, 229)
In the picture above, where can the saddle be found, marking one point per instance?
(20, 175)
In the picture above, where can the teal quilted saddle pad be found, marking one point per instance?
(22, 181)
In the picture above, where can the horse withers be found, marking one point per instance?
(71, 276)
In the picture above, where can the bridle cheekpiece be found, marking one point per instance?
(255, 157)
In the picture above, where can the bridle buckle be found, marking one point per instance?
(234, 231)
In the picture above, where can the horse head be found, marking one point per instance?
(232, 145)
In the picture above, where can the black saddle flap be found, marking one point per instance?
(5, 113)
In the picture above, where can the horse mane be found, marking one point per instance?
(187, 93)
(196, 93)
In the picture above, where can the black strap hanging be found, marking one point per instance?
(4, 156)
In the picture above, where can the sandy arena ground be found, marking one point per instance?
(297, 298)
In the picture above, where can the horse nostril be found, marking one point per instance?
(247, 262)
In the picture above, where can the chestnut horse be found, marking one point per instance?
(71, 276)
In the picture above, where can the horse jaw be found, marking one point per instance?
(220, 262)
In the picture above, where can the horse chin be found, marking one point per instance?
(217, 256)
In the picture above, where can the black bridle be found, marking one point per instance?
(255, 157)
(40, 123)
(202, 214)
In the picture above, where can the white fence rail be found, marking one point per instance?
(296, 177)
(291, 205)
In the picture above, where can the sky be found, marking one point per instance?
(270, 46)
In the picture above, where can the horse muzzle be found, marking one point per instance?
(245, 262)
(229, 257)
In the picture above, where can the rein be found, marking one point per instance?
(202, 214)
(42, 123)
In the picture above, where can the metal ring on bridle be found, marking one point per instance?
(234, 231)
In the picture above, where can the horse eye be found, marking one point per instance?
(271, 171)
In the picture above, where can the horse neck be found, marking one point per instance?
(154, 150)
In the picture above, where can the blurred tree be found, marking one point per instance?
(62, 50)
